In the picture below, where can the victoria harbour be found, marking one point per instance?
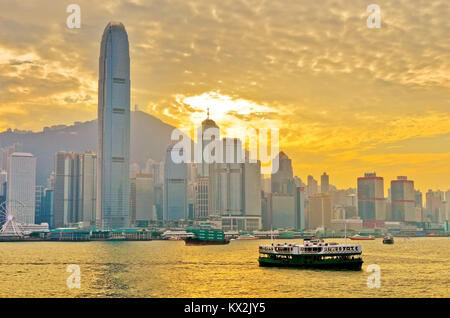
(416, 267)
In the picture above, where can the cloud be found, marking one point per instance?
(336, 89)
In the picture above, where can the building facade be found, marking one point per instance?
(371, 201)
(21, 192)
(175, 204)
(75, 188)
(141, 200)
(403, 200)
(113, 184)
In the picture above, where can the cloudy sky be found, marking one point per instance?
(347, 99)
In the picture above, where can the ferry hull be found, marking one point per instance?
(362, 238)
(305, 263)
(205, 242)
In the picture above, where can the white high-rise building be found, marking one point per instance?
(21, 186)
(113, 183)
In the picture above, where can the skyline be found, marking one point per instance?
(347, 99)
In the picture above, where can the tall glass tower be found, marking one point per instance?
(113, 185)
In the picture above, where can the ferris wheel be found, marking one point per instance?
(11, 218)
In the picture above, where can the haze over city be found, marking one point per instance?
(347, 99)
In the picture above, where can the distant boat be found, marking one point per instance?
(388, 239)
(358, 237)
(246, 237)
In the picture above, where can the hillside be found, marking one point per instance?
(149, 139)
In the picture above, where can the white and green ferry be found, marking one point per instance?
(314, 253)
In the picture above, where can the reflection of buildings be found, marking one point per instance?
(113, 129)
(21, 186)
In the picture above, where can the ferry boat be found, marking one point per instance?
(388, 239)
(358, 237)
(206, 237)
(314, 253)
(246, 237)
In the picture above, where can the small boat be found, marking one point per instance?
(246, 237)
(388, 239)
(358, 237)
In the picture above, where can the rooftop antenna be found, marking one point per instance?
(208, 112)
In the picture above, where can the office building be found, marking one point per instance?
(324, 183)
(403, 200)
(175, 187)
(113, 182)
(371, 201)
(141, 200)
(320, 211)
(280, 178)
(21, 192)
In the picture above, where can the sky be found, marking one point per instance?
(346, 98)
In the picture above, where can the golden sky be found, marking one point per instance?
(347, 99)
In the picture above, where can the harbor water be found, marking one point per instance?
(416, 267)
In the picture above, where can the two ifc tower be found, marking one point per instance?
(113, 183)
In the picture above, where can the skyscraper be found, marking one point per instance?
(141, 200)
(75, 188)
(21, 186)
(403, 200)
(113, 184)
(320, 211)
(371, 202)
(175, 187)
(312, 186)
(280, 178)
(39, 209)
(433, 211)
(325, 183)
(209, 130)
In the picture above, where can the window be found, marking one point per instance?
(118, 80)
(118, 111)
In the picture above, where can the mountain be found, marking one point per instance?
(150, 138)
